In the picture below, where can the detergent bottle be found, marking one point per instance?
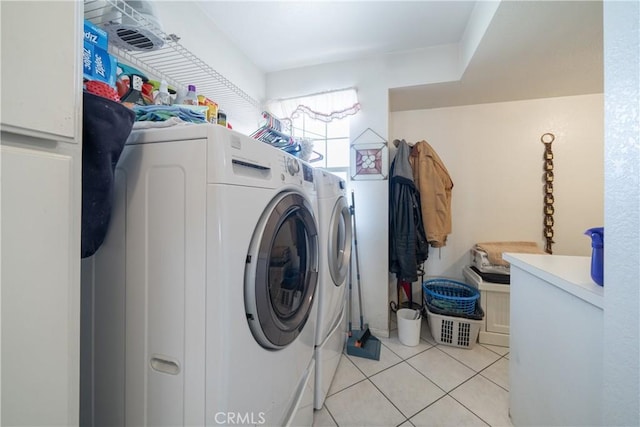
(163, 97)
(597, 254)
(191, 98)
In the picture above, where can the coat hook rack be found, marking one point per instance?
(547, 166)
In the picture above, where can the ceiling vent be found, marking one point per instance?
(133, 26)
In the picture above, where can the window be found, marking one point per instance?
(330, 142)
(323, 118)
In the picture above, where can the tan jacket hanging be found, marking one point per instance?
(435, 185)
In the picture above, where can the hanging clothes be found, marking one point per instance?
(435, 185)
(407, 239)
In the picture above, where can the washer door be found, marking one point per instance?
(339, 247)
(281, 272)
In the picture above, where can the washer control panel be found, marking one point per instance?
(296, 171)
(293, 166)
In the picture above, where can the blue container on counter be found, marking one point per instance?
(597, 254)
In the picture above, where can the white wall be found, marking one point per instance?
(371, 210)
(621, 375)
(494, 156)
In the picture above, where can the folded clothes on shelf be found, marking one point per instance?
(158, 113)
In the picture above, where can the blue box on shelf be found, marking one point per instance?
(98, 64)
(95, 36)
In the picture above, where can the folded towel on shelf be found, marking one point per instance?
(173, 121)
(494, 250)
(159, 113)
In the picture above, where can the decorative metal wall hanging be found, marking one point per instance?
(369, 156)
(548, 209)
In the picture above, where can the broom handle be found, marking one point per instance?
(355, 243)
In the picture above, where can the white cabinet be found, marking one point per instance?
(40, 174)
(555, 361)
(494, 300)
(40, 288)
(41, 68)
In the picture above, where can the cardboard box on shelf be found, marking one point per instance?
(95, 35)
(98, 64)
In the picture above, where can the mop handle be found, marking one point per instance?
(355, 243)
(350, 286)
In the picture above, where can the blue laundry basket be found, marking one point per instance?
(451, 296)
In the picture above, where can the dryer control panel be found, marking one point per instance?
(307, 172)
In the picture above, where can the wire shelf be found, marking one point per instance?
(174, 63)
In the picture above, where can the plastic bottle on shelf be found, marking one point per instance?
(163, 97)
(191, 98)
(181, 92)
(222, 117)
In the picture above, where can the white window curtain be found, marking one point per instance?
(325, 106)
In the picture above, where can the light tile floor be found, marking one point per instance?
(426, 385)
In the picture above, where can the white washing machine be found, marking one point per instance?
(204, 292)
(334, 221)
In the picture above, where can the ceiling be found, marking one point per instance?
(531, 49)
(279, 35)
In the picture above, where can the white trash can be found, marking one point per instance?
(409, 322)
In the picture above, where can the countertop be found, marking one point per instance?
(572, 274)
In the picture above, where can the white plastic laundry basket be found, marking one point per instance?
(453, 331)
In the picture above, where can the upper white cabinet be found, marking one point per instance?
(40, 73)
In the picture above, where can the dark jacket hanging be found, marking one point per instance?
(407, 238)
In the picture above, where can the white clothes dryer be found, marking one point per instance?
(205, 288)
(335, 232)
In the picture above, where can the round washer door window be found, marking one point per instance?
(281, 272)
(339, 247)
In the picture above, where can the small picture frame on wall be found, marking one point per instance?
(369, 158)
